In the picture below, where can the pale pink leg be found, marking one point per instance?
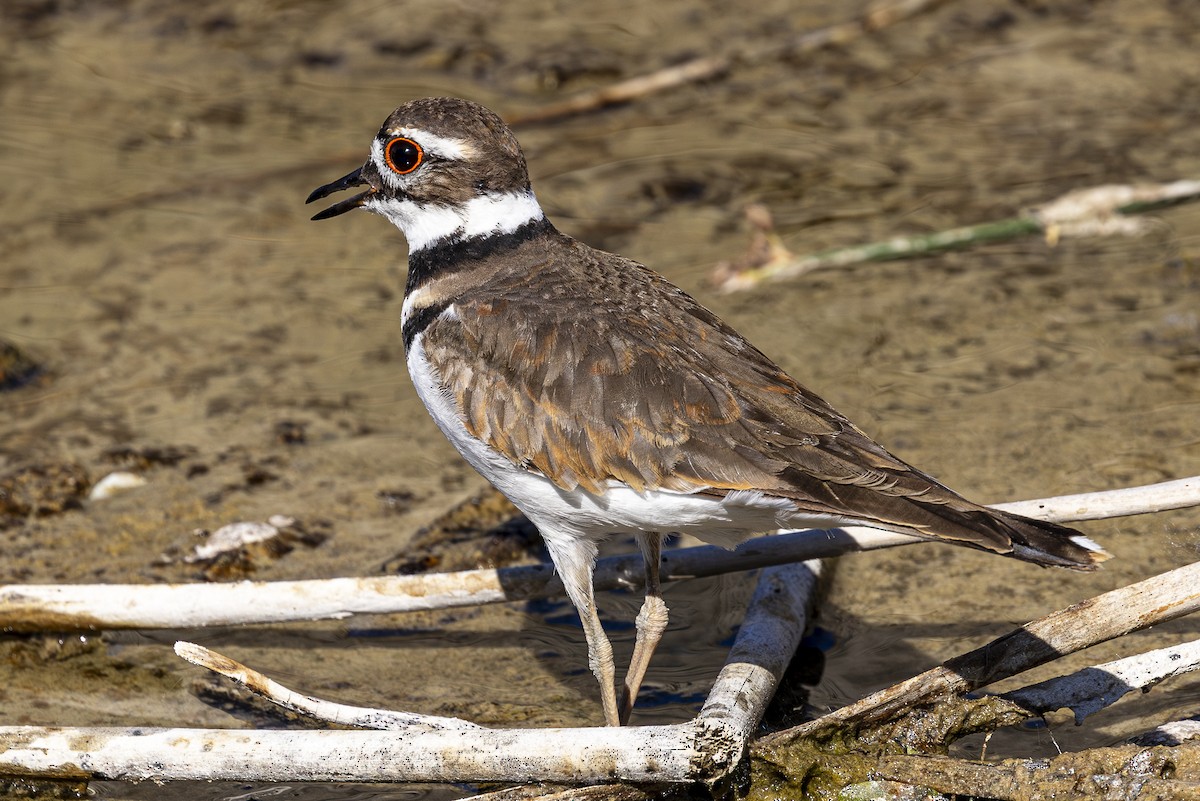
(651, 623)
(575, 559)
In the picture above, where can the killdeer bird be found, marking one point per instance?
(603, 400)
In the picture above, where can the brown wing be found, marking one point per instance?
(600, 370)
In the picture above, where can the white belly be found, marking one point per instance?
(556, 512)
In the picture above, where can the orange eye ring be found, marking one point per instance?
(403, 155)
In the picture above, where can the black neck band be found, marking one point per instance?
(451, 255)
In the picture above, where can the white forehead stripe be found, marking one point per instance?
(491, 213)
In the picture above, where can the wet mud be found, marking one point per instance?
(177, 316)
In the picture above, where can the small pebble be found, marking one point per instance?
(115, 483)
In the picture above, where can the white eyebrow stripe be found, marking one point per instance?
(441, 146)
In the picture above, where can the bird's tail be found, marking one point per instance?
(1046, 543)
(1038, 541)
(942, 514)
(912, 502)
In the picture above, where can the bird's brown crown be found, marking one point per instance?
(447, 150)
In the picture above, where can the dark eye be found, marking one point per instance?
(403, 155)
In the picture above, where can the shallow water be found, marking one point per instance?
(158, 259)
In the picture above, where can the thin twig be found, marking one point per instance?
(693, 71)
(879, 16)
(1147, 499)
(316, 708)
(1095, 211)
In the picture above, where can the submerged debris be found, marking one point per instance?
(149, 456)
(238, 549)
(46, 488)
(16, 367)
(236, 536)
(483, 531)
(766, 250)
(291, 432)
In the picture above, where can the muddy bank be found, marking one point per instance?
(194, 328)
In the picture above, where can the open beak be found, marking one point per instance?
(341, 207)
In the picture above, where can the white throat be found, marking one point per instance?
(424, 224)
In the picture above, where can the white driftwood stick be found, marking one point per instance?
(634, 753)
(357, 716)
(768, 636)
(1113, 614)
(92, 607)
(1173, 733)
(769, 631)
(1089, 690)
(774, 623)
(1146, 499)
(700, 750)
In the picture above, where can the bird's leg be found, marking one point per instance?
(575, 559)
(651, 623)
(600, 656)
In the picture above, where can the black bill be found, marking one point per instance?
(341, 207)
